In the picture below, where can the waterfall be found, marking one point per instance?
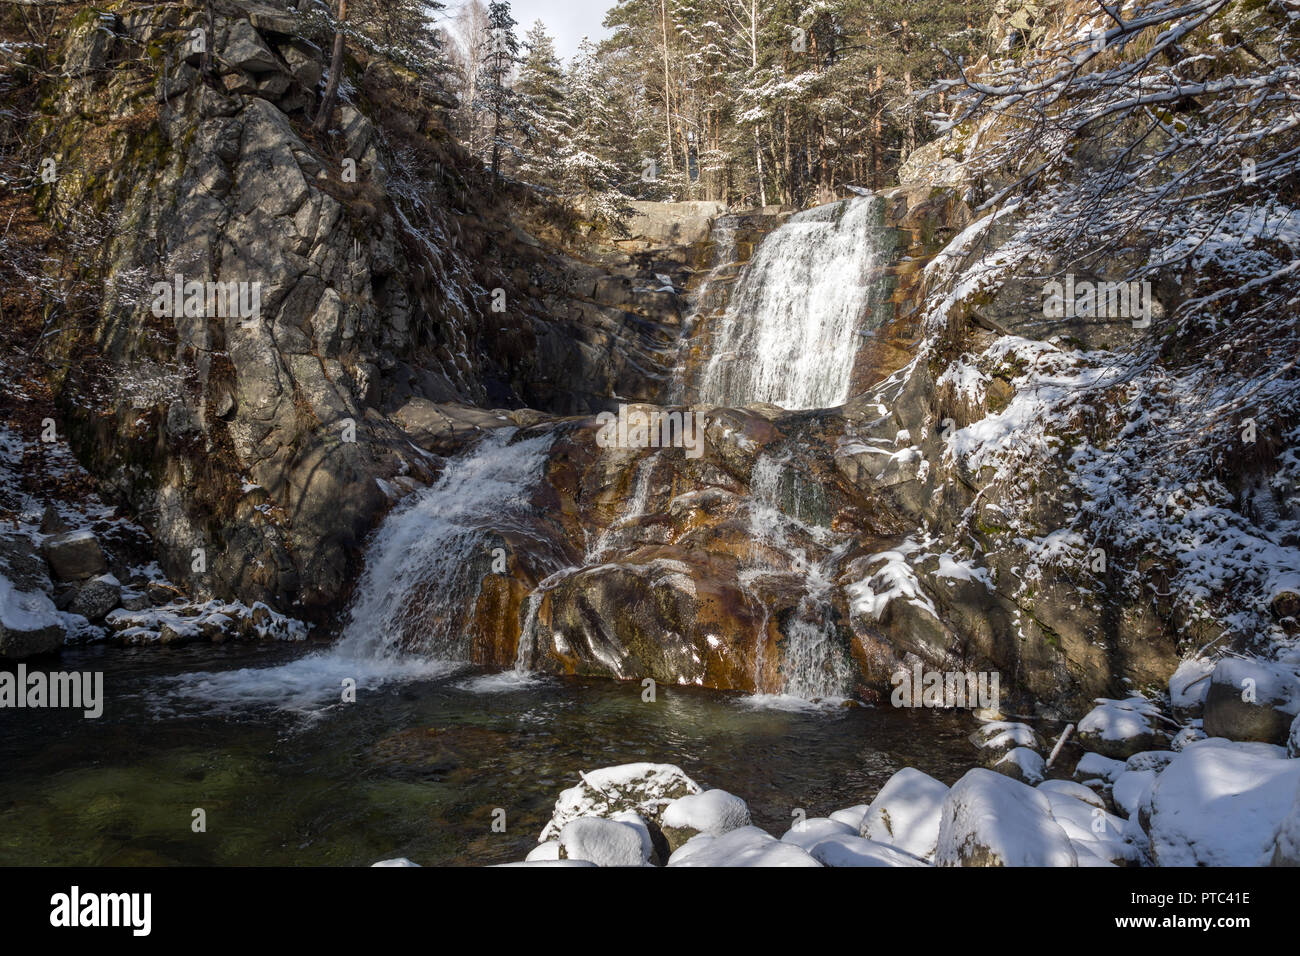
(426, 562)
(789, 334)
(814, 665)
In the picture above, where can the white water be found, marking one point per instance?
(813, 666)
(790, 333)
(423, 571)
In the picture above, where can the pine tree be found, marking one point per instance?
(497, 99)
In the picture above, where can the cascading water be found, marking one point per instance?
(790, 332)
(814, 665)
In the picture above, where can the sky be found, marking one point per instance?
(566, 20)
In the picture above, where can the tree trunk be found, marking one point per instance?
(336, 70)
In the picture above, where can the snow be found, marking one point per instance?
(1131, 789)
(1068, 788)
(849, 850)
(1220, 803)
(396, 861)
(1090, 827)
(645, 788)
(1120, 719)
(1029, 762)
(713, 811)
(604, 842)
(26, 610)
(1189, 682)
(1004, 735)
(1093, 766)
(990, 819)
(746, 846)
(894, 579)
(906, 813)
(1273, 683)
(851, 816)
(808, 833)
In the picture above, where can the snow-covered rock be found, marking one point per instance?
(395, 861)
(1096, 767)
(1251, 700)
(850, 850)
(906, 813)
(604, 842)
(1220, 803)
(1188, 735)
(1130, 788)
(1090, 828)
(1293, 739)
(1189, 684)
(29, 622)
(713, 811)
(74, 555)
(1286, 847)
(1023, 764)
(1155, 760)
(996, 737)
(988, 819)
(643, 788)
(1068, 788)
(851, 816)
(808, 833)
(1121, 728)
(550, 850)
(746, 846)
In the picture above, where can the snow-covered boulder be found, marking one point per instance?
(808, 833)
(1188, 735)
(1090, 829)
(1120, 728)
(906, 813)
(996, 737)
(1251, 700)
(395, 861)
(1188, 686)
(604, 842)
(74, 555)
(29, 622)
(1023, 764)
(1130, 789)
(1096, 767)
(1286, 847)
(851, 816)
(746, 846)
(849, 850)
(96, 598)
(642, 788)
(1068, 788)
(1221, 803)
(1155, 760)
(713, 811)
(1293, 739)
(991, 820)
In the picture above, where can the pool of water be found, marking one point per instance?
(288, 774)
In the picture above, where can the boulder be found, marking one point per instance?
(850, 850)
(244, 49)
(603, 842)
(396, 861)
(713, 811)
(1188, 686)
(851, 816)
(1221, 803)
(74, 555)
(1068, 788)
(906, 813)
(1251, 700)
(998, 737)
(1121, 728)
(1293, 739)
(745, 846)
(29, 623)
(808, 833)
(1097, 767)
(1023, 764)
(988, 819)
(643, 788)
(1286, 846)
(1131, 789)
(96, 598)
(1090, 828)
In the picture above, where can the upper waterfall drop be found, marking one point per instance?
(789, 336)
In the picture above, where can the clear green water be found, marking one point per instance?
(413, 769)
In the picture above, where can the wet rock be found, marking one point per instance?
(74, 555)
